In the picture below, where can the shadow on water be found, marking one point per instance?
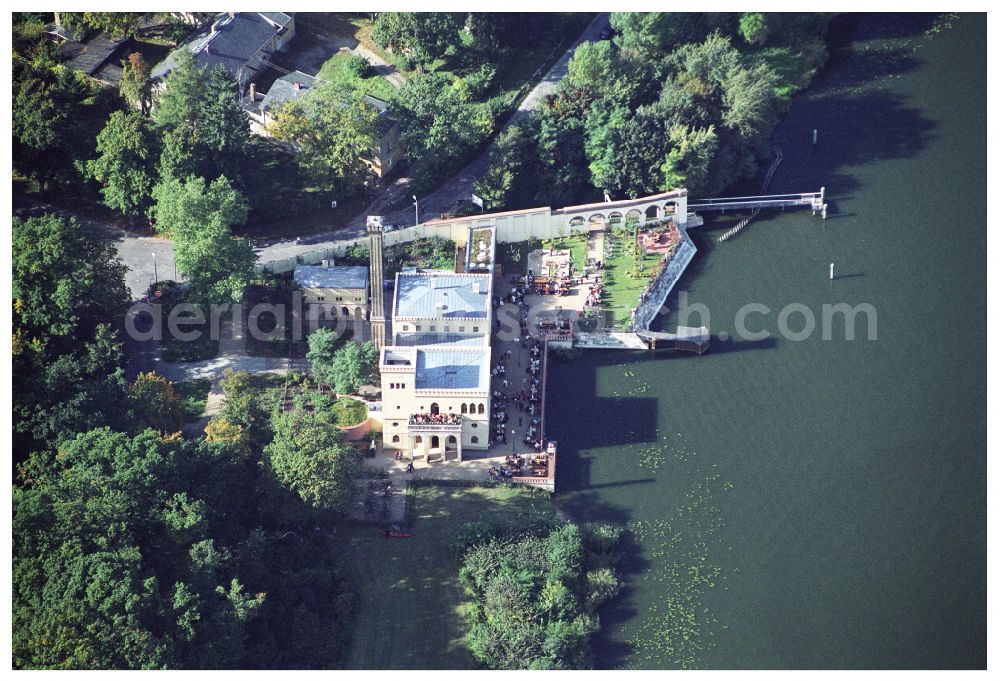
(588, 505)
(583, 499)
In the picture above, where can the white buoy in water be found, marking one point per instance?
(831, 271)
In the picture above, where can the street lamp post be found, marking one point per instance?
(416, 209)
(156, 278)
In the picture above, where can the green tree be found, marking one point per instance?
(181, 97)
(753, 27)
(136, 87)
(334, 130)
(688, 162)
(423, 36)
(126, 164)
(349, 367)
(223, 128)
(592, 67)
(45, 123)
(116, 24)
(439, 125)
(323, 344)
(243, 409)
(197, 216)
(66, 281)
(308, 457)
(650, 35)
(155, 404)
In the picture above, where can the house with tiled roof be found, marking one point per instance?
(242, 43)
(296, 84)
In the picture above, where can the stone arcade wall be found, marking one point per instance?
(511, 226)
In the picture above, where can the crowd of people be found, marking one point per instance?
(435, 419)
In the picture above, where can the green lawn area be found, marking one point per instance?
(410, 610)
(577, 246)
(195, 395)
(622, 290)
(336, 70)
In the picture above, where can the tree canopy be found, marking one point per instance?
(126, 163)
(333, 130)
(347, 368)
(439, 125)
(197, 216)
(423, 36)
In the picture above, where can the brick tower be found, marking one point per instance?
(375, 276)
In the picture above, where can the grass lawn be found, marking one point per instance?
(195, 395)
(410, 614)
(622, 290)
(336, 70)
(577, 246)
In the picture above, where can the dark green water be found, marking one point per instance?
(816, 503)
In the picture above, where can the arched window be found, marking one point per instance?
(435, 409)
(475, 439)
(465, 408)
(452, 440)
(395, 439)
(482, 408)
(652, 212)
(347, 313)
(418, 440)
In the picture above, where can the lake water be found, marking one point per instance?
(819, 503)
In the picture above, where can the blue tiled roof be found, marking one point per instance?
(338, 276)
(450, 369)
(428, 296)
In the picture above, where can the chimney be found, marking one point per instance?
(475, 287)
(434, 282)
(253, 92)
(298, 85)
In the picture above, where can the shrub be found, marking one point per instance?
(359, 67)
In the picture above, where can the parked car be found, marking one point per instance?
(390, 228)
